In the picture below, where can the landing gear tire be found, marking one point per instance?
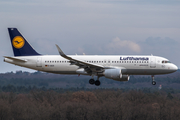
(91, 81)
(154, 82)
(97, 82)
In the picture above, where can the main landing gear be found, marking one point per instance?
(153, 81)
(92, 81)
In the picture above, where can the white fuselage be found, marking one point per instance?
(116, 67)
(130, 65)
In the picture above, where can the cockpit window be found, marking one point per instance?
(164, 61)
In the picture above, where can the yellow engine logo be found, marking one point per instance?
(18, 42)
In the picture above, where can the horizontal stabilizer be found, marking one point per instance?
(17, 59)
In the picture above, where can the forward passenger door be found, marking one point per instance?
(152, 62)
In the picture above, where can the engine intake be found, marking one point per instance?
(115, 74)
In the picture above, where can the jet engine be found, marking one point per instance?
(115, 74)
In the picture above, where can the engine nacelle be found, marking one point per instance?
(115, 74)
(123, 78)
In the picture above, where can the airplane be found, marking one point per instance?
(116, 67)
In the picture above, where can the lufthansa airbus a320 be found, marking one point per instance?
(116, 67)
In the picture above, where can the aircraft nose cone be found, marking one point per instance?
(175, 68)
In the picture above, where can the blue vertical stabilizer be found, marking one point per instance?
(19, 44)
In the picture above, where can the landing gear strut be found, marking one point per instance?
(153, 81)
(92, 81)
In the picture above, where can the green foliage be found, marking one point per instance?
(169, 96)
(44, 96)
(99, 104)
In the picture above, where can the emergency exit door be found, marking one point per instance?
(39, 62)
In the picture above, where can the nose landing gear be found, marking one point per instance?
(153, 81)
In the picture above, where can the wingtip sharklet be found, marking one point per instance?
(75, 60)
(60, 51)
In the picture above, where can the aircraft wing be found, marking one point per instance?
(89, 67)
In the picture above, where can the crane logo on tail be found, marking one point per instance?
(18, 42)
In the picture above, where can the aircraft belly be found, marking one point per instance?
(147, 71)
(62, 72)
